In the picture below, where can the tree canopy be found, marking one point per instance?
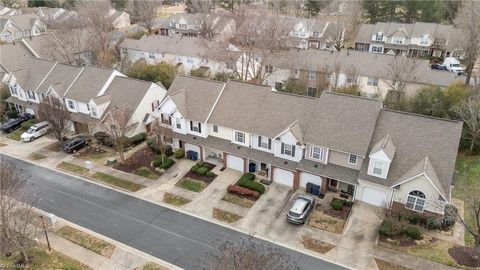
(161, 72)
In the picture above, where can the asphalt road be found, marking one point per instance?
(172, 236)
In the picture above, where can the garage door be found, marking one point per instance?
(283, 177)
(309, 178)
(374, 196)
(235, 163)
(192, 147)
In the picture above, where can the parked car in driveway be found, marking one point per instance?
(35, 131)
(12, 124)
(438, 66)
(301, 208)
(74, 144)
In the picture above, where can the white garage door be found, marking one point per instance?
(283, 177)
(309, 178)
(192, 147)
(235, 163)
(374, 196)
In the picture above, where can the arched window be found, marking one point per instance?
(415, 201)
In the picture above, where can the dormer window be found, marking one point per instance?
(239, 137)
(379, 37)
(378, 168)
(71, 104)
(288, 149)
(317, 152)
(182, 26)
(196, 127)
(397, 40)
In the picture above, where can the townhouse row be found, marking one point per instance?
(343, 143)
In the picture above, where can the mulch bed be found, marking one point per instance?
(464, 256)
(199, 177)
(403, 240)
(336, 214)
(141, 158)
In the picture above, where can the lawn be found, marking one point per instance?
(192, 185)
(93, 156)
(152, 266)
(326, 222)
(225, 216)
(316, 245)
(87, 241)
(36, 156)
(72, 168)
(115, 181)
(145, 172)
(174, 199)
(384, 265)
(436, 250)
(43, 260)
(16, 134)
(238, 200)
(468, 168)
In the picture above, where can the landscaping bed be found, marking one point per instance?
(244, 201)
(87, 241)
(384, 265)
(464, 256)
(141, 159)
(73, 168)
(174, 199)
(36, 156)
(115, 181)
(316, 245)
(191, 184)
(93, 154)
(225, 216)
(200, 171)
(332, 218)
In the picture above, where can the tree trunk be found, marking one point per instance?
(468, 72)
(472, 143)
(24, 255)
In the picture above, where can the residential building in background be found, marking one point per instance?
(15, 27)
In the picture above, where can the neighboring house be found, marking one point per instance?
(119, 19)
(342, 143)
(212, 25)
(89, 92)
(185, 53)
(13, 57)
(413, 40)
(320, 70)
(20, 26)
(5, 11)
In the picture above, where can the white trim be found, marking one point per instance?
(30, 48)
(429, 180)
(64, 94)
(216, 101)
(46, 76)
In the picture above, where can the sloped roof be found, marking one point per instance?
(386, 145)
(89, 83)
(24, 21)
(194, 97)
(34, 72)
(45, 46)
(60, 78)
(416, 137)
(13, 57)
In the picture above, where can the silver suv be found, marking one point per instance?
(301, 208)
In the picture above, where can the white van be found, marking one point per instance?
(35, 131)
(453, 65)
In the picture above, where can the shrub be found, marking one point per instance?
(253, 186)
(243, 191)
(12, 114)
(179, 153)
(449, 217)
(150, 142)
(29, 123)
(414, 219)
(433, 224)
(157, 162)
(210, 174)
(195, 168)
(336, 204)
(388, 228)
(167, 163)
(413, 232)
(103, 138)
(138, 138)
(202, 170)
(200, 164)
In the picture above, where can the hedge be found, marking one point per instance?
(246, 181)
(29, 123)
(337, 204)
(157, 162)
(179, 153)
(388, 228)
(103, 138)
(433, 224)
(210, 174)
(167, 163)
(138, 138)
(413, 232)
(202, 170)
(12, 114)
(235, 189)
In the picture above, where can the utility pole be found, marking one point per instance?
(46, 235)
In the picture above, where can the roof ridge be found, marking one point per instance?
(385, 141)
(423, 115)
(291, 94)
(352, 96)
(135, 79)
(199, 78)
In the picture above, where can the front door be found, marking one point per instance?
(333, 183)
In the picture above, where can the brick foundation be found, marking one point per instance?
(296, 179)
(324, 187)
(225, 159)
(400, 208)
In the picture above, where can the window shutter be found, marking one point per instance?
(282, 150)
(259, 141)
(153, 107)
(293, 150)
(191, 125)
(199, 128)
(269, 143)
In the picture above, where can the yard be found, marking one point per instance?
(98, 155)
(191, 184)
(225, 216)
(16, 134)
(198, 177)
(316, 245)
(87, 241)
(326, 218)
(140, 163)
(174, 199)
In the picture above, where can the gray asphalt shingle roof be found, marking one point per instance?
(89, 83)
(60, 78)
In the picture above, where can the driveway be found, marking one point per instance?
(172, 236)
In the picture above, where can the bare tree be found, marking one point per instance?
(200, 6)
(69, 40)
(467, 21)
(16, 216)
(400, 70)
(117, 124)
(161, 133)
(54, 111)
(247, 254)
(335, 35)
(99, 28)
(145, 11)
(469, 112)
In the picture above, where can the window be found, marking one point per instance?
(264, 142)
(328, 76)
(71, 104)
(124, 50)
(215, 128)
(182, 26)
(94, 111)
(377, 49)
(190, 60)
(415, 201)
(315, 34)
(288, 149)
(13, 89)
(379, 37)
(279, 86)
(352, 159)
(239, 137)
(377, 167)
(424, 41)
(312, 75)
(196, 127)
(31, 95)
(268, 69)
(314, 45)
(372, 81)
(151, 55)
(312, 91)
(397, 40)
(317, 152)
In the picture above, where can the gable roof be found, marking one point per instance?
(13, 57)
(23, 21)
(34, 72)
(89, 83)
(194, 97)
(60, 78)
(416, 137)
(386, 145)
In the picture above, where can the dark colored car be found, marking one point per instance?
(74, 144)
(438, 66)
(302, 206)
(12, 124)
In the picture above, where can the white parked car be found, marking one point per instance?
(453, 65)
(35, 131)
